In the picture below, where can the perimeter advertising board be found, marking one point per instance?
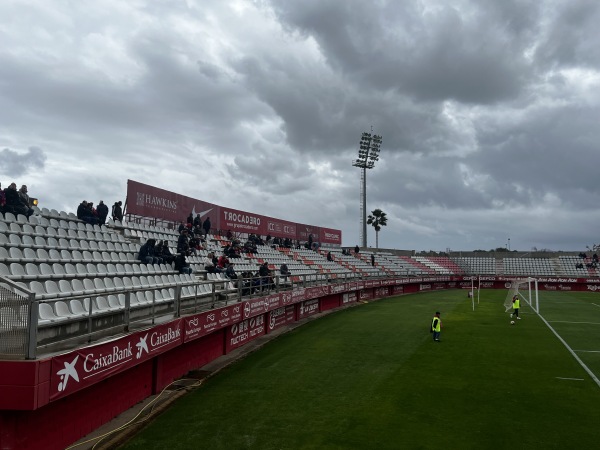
(308, 308)
(281, 316)
(81, 368)
(205, 323)
(241, 333)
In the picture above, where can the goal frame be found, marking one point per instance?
(527, 290)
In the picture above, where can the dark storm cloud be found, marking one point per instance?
(16, 164)
(469, 52)
(488, 110)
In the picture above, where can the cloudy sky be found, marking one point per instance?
(489, 111)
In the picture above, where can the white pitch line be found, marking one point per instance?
(581, 363)
(573, 379)
(566, 321)
(588, 351)
(596, 305)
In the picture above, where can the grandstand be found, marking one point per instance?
(66, 284)
(86, 277)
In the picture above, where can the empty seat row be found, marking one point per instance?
(28, 241)
(33, 271)
(78, 309)
(50, 289)
(16, 254)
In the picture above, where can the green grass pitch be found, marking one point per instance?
(371, 377)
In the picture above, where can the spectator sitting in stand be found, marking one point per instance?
(84, 212)
(25, 200)
(14, 202)
(283, 270)
(102, 211)
(209, 265)
(222, 263)
(147, 253)
(194, 245)
(230, 272)
(117, 211)
(329, 257)
(265, 274)
(162, 251)
(229, 235)
(190, 220)
(246, 283)
(181, 265)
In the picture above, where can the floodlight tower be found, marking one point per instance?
(368, 153)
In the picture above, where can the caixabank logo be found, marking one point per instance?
(87, 366)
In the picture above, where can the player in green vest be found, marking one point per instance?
(436, 326)
(516, 303)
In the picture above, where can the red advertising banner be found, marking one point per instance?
(381, 292)
(304, 231)
(81, 368)
(242, 222)
(298, 295)
(281, 316)
(282, 228)
(308, 308)
(244, 332)
(398, 290)
(349, 297)
(337, 288)
(329, 236)
(316, 291)
(365, 294)
(149, 201)
(205, 323)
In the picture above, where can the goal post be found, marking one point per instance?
(527, 290)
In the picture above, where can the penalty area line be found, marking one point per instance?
(571, 379)
(588, 351)
(570, 350)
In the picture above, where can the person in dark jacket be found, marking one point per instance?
(162, 251)
(147, 253)
(15, 203)
(102, 211)
(117, 211)
(183, 243)
(206, 226)
(84, 212)
(181, 264)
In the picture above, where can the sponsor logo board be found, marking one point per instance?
(80, 368)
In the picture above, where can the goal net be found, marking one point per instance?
(526, 289)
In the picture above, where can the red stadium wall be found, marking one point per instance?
(38, 411)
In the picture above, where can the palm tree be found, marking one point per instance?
(378, 219)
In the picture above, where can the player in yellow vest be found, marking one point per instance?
(436, 326)
(516, 303)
